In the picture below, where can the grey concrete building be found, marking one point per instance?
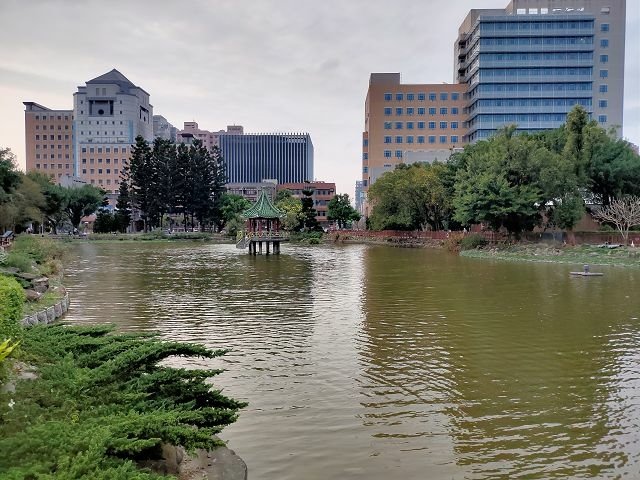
(109, 113)
(163, 129)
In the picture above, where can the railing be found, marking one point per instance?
(267, 235)
(402, 235)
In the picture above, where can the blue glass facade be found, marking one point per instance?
(287, 158)
(526, 70)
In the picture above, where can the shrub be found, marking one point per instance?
(18, 260)
(12, 300)
(472, 241)
(40, 249)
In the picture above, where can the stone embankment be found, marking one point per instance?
(49, 314)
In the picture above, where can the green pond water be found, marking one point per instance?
(370, 362)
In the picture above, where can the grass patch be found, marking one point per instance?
(583, 254)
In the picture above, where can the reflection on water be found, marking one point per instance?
(377, 363)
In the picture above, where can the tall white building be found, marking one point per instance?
(109, 113)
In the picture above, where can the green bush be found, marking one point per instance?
(12, 300)
(40, 249)
(21, 261)
(103, 402)
(472, 241)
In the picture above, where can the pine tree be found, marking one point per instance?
(140, 173)
(123, 204)
(308, 211)
(218, 186)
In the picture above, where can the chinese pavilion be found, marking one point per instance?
(262, 226)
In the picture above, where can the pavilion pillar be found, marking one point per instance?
(268, 242)
(260, 246)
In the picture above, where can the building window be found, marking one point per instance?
(420, 139)
(410, 110)
(365, 156)
(602, 118)
(454, 125)
(454, 139)
(387, 126)
(432, 139)
(387, 111)
(443, 139)
(604, 73)
(602, 104)
(421, 125)
(604, 88)
(399, 97)
(421, 110)
(455, 96)
(604, 43)
(410, 97)
(387, 139)
(387, 154)
(399, 125)
(399, 111)
(398, 139)
(409, 125)
(365, 169)
(432, 125)
(443, 125)
(432, 97)
(410, 139)
(432, 110)
(388, 97)
(604, 58)
(444, 96)
(454, 110)
(398, 153)
(421, 97)
(604, 27)
(443, 110)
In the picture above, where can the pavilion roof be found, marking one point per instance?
(263, 208)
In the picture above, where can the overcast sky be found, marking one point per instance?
(269, 65)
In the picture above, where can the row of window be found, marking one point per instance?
(106, 149)
(102, 134)
(532, 87)
(443, 140)
(418, 139)
(534, 72)
(97, 122)
(419, 125)
(444, 96)
(533, 56)
(44, 127)
(106, 160)
(52, 137)
(106, 170)
(533, 102)
(421, 111)
(44, 147)
(52, 117)
(535, 26)
(53, 156)
(528, 41)
(45, 166)
(505, 118)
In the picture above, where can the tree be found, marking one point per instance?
(624, 213)
(232, 207)
(292, 208)
(106, 222)
(140, 172)
(27, 202)
(218, 186)
(340, 210)
(55, 197)
(83, 201)
(310, 223)
(123, 204)
(9, 175)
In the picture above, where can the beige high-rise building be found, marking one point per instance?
(209, 139)
(48, 140)
(407, 123)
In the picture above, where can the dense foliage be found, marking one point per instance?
(340, 210)
(169, 179)
(511, 182)
(103, 402)
(11, 302)
(33, 198)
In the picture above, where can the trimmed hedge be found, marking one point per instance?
(12, 300)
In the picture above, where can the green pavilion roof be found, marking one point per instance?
(263, 208)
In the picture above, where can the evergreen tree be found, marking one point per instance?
(218, 186)
(308, 211)
(123, 204)
(140, 173)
